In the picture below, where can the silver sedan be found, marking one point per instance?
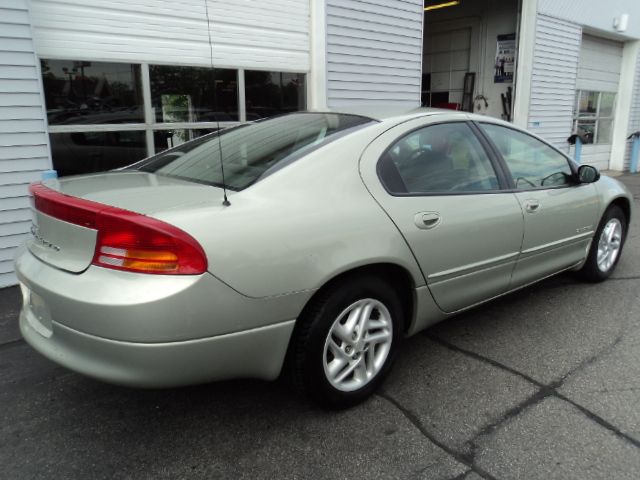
(308, 244)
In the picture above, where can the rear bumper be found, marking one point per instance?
(152, 330)
(256, 353)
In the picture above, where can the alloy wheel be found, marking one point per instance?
(357, 345)
(609, 245)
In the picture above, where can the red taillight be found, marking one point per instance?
(126, 240)
(64, 207)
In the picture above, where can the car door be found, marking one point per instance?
(444, 192)
(560, 215)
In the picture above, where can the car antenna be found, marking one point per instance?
(225, 202)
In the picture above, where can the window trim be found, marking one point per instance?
(497, 168)
(572, 165)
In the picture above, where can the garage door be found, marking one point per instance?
(446, 61)
(597, 87)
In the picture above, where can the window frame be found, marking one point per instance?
(503, 180)
(573, 166)
(596, 117)
(150, 126)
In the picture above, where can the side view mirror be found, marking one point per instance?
(588, 174)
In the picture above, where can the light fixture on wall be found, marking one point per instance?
(621, 23)
(438, 5)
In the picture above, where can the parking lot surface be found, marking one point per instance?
(541, 384)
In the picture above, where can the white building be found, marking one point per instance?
(88, 86)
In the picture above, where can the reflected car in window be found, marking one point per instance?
(308, 244)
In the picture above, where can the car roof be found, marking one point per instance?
(385, 111)
(382, 112)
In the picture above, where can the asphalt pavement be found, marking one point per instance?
(541, 384)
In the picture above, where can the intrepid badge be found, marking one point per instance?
(41, 240)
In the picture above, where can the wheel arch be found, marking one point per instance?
(625, 206)
(398, 277)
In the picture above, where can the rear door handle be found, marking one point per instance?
(427, 220)
(532, 206)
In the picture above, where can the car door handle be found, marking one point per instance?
(427, 220)
(532, 206)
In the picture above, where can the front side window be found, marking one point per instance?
(438, 158)
(250, 151)
(593, 116)
(533, 164)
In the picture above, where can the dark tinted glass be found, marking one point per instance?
(164, 139)
(88, 152)
(191, 94)
(532, 163)
(273, 93)
(91, 92)
(251, 151)
(438, 158)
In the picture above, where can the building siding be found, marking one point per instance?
(272, 35)
(374, 52)
(553, 82)
(24, 149)
(594, 14)
(599, 65)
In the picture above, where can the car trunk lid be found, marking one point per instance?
(63, 232)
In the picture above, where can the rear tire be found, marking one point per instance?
(606, 246)
(346, 341)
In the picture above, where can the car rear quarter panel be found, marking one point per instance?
(299, 227)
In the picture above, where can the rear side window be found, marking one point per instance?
(252, 151)
(439, 158)
(533, 164)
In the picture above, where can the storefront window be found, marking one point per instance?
(87, 152)
(79, 92)
(191, 94)
(98, 120)
(593, 116)
(273, 93)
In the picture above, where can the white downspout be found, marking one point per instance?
(317, 80)
(623, 105)
(526, 45)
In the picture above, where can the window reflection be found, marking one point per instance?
(439, 158)
(79, 92)
(191, 94)
(273, 93)
(164, 139)
(532, 163)
(251, 151)
(89, 152)
(82, 95)
(593, 116)
(588, 103)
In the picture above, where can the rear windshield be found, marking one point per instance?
(251, 151)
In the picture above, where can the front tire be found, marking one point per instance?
(606, 246)
(346, 341)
